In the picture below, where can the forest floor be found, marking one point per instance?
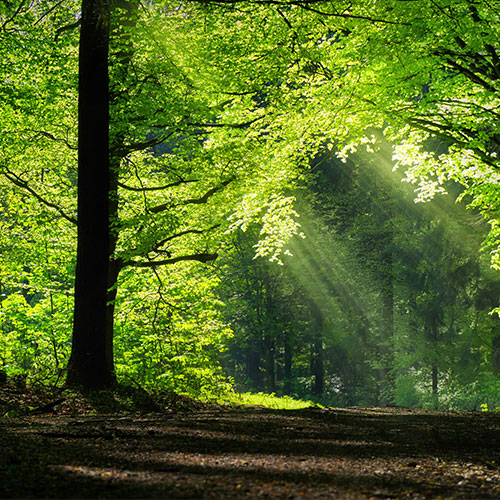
(191, 450)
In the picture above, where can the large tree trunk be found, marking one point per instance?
(91, 361)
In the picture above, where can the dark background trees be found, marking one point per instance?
(381, 303)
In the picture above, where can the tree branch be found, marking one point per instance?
(440, 132)
(68, 27)
(10, 19)
(225, 125)
(306, 5)
(192, 201)
(16, 180)
(156, 247)
(156, 188)
(471, 75)
(200, 257)
(44, 15)
(125, 149)
(48, 135)
(159, 244)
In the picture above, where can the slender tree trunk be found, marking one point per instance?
(253, 365)
(435, 393)
(317, 350)
(432, 335)
(91, 361)
(268, 355)
(386, 374)
(287, 385)
(495, 355)
(318, 368)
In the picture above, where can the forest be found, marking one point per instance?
(250, 249)
(291, 197)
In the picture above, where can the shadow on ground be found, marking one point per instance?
(252, 453)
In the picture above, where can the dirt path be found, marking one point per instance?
(253, 453)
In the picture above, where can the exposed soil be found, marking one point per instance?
(214, 452)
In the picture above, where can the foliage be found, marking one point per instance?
(168, 335)
(268, 400)
(216, 110)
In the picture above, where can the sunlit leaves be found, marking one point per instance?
(168, 334)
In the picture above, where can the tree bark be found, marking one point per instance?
(91, 361)
(495, 355)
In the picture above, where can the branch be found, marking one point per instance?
(494, 57)
(43, 16)
(48, 135)
(440, 132)
(192, 201)
(156, 188)
(477, 62)
(464, 132)
(16, 180)
(243, 92)
(46, 408)
(156, 247)
(306, 5)
(225, 125)
(468, 105)
(10, 19)
(159, 244)
(471, 75)
(68, 27)
(287, 22)
(140, 146)
(200, 257)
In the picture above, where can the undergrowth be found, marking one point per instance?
(268, 400)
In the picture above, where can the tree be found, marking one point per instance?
(91, 362)
(140, 201)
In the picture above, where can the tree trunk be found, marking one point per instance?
(287, 385)
(91, 361)
(386, 378)
(317, 350)
(318, 369)
(268, 355)
(435, 393)
(253, 365)
(495, 355)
